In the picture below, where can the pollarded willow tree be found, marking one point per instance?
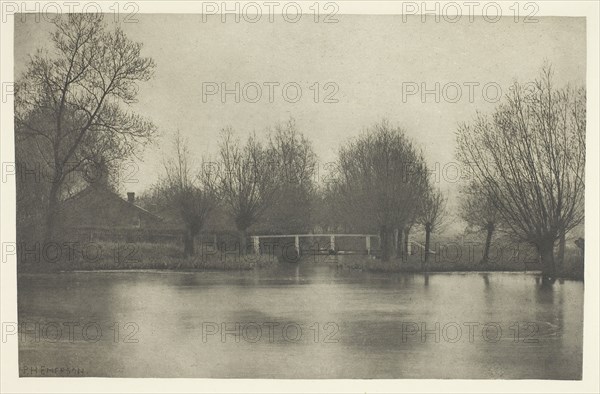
(187, 188)
(292, 156)
(247, 180)
(431, 215)
(73, 101)
(477, 209)
(382, 176)
(267, 183)
(529, 157)
(409, 209)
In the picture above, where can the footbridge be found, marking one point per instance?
(256, 239)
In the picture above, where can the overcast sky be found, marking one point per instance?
(368, 58)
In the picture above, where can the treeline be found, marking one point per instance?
(71, 114)
(383, 186)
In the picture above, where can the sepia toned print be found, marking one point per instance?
(291, 192)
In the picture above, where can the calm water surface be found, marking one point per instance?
(300, 321)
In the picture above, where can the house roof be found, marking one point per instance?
(106, 193)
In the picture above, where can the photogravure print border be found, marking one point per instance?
(591, 319)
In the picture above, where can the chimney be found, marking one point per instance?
(131, 197)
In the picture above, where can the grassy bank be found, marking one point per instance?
(573, 267)
(169, 256)
(132, 256)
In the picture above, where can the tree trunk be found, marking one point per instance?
(427, 242)
(561, 249)
(385, 255)
(188, 243)
(243, 243)
(401, 251)
(395, 243)
(51, 214)
(488, 242)
(406, 233)
(546, 251)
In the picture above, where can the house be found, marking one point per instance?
(97, 213)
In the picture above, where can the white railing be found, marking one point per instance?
(256, 239)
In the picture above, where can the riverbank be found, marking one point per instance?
(573, 267)
(100, 256)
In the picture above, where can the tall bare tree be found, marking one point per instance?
(408, 205)
(294, 159)
(411, 220)
(73, 100)
(381, 175)
(477, 209)
(188, 189)
(529, 156)
(247, 180)
(432, 212)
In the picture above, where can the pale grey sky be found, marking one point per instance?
(369, 58)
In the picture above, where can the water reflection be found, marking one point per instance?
(486, 280)
(315, 321)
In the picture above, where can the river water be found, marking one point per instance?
(299, 321)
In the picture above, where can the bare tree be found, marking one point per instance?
(187, 189)
(292, 152)
(295, 162)
(73, 100)
(381, 177)
(477, 209)
(411, 220)
(408, 207)
(247, 180)
(432, 213)
(530, 158)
